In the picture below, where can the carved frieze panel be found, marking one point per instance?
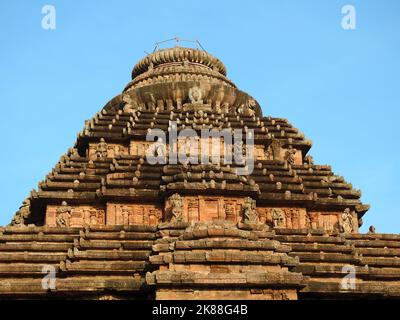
(196, 146)
(338, 221)
(284, 217)
(206, 208)
(106, 150)
(65, 215)
(131, 214)
(139, 148)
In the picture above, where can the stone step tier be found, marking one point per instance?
(173, 258)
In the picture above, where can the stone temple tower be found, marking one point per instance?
(109, 223)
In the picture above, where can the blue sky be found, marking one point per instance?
(340, 87)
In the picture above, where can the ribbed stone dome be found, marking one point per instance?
(166, 78)
(178, 55)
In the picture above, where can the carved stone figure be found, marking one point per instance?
(22, 214)
(278, 218)
(195, 95)
(249, 210)
(290, 155)
(294, 218)
(250, 107)
(268, 153)
(176, 207)
(347, 221)
(307, 220)
(63, 214)
(229, 211)
(371, 230)
(101, 149)
(309, 160)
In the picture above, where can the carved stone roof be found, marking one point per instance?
(104, 168)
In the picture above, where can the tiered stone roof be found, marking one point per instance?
(112, 225)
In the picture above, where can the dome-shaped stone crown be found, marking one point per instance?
(178, 56)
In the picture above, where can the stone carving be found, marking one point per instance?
(371, 230)
(176, 207)
(125, 215)
(307, 220)
(132, 213)
(294, 216)
(195, 95)
(290, 155)
(249, 210)
(314, 220)
(268, 153)
(193, 208)
(250, 107)
(101, 149)
(309, 160)
(63, 214)
(229, 211)
(22, 214)
(95, 217)
(278, 218)
(347, 221)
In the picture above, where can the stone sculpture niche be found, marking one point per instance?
(249, 211)
(196, 100)
(175, 208)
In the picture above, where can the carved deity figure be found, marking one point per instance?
(278, 218)
(290, 155)
(309, 160)
(249, 210)
(101, 149)
(346, 224)
(250, 107)
(229, 211)
(347, 221)
(176, 207)
(195, 95)
(239, 151)
(268, 153)
(294, 218)
(307, 220)
(22, 214)
(63, 215)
